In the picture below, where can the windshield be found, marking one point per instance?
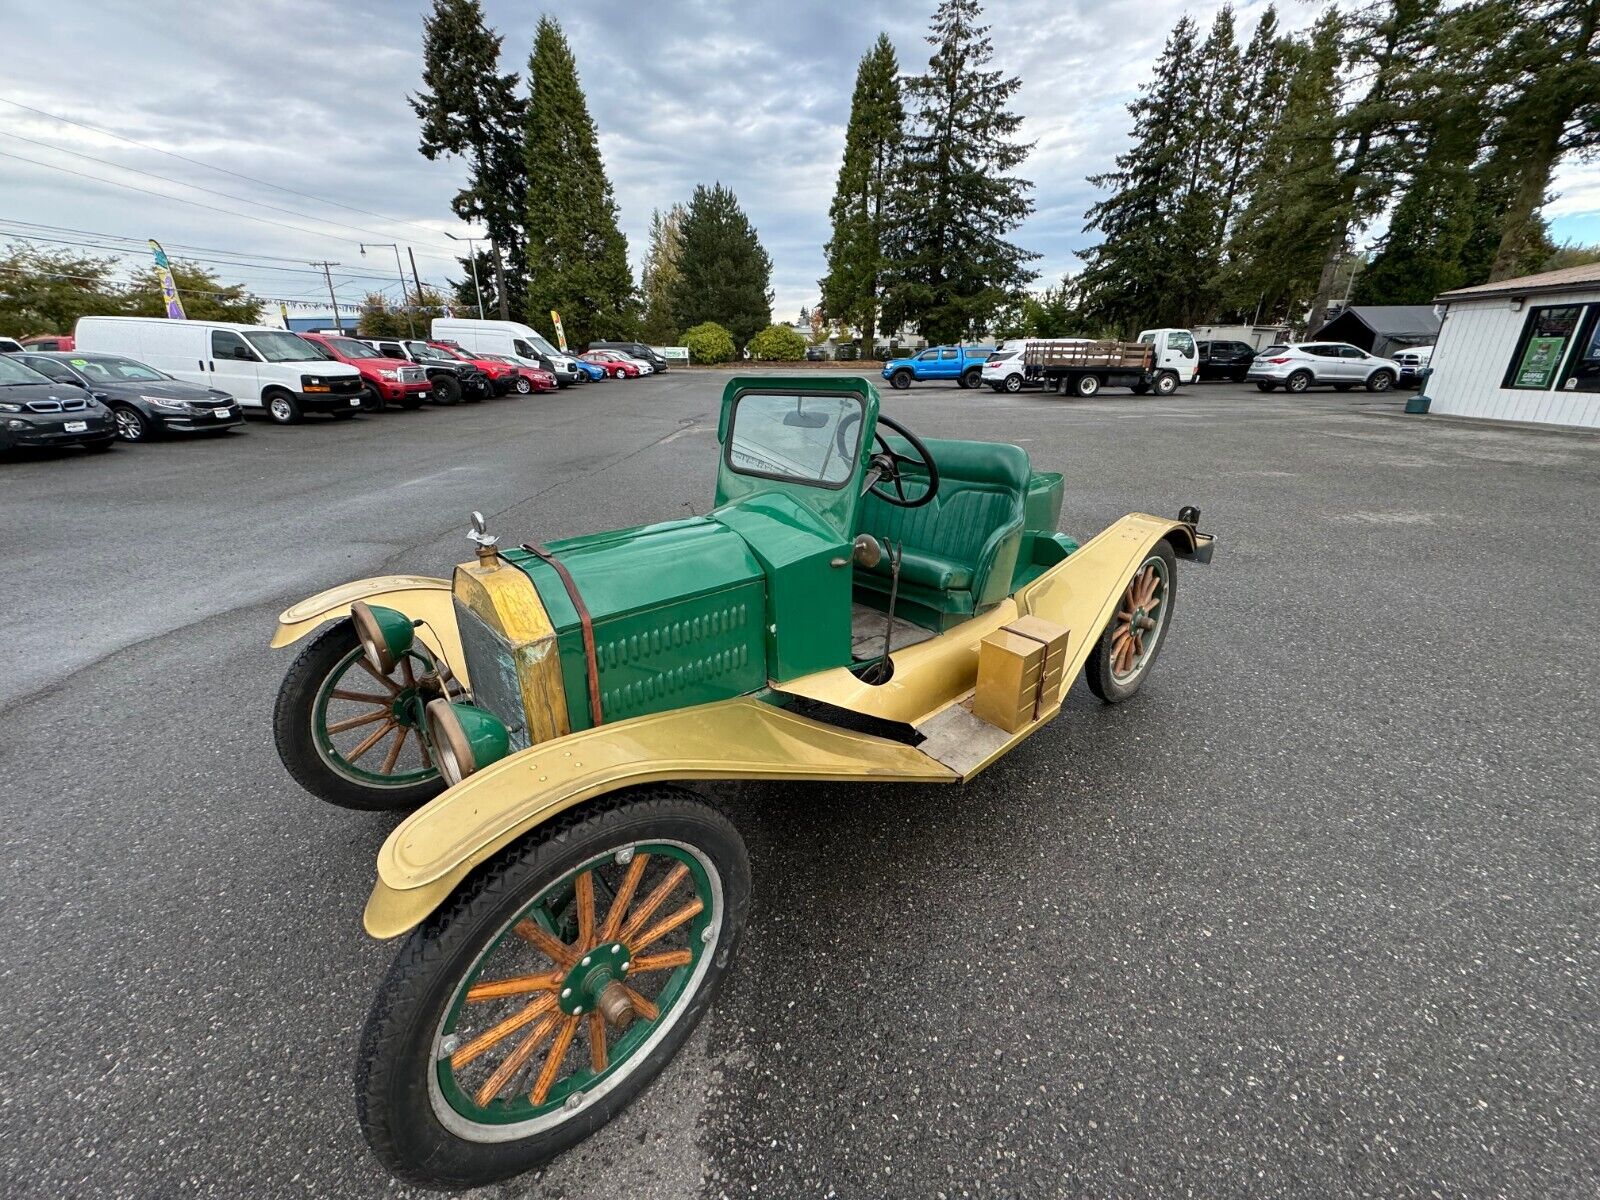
(117, 369)
(809, 439)
(449, 352)
(351, 348)
(286, 347)
(12, 372)
(542, 346)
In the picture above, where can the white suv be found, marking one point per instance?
(1003, 371)
(1321, 364)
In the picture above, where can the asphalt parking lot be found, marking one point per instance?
(1314, 915)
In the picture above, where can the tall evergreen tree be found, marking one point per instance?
(660, 275)
(955, 198)
(1554, 111)
(1256, 106)
(577, 256)
(724, 275)
(468, 108)
(871, 149)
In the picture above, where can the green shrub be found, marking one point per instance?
(778, 343)
(709, 343)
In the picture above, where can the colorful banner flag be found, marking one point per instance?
(561, 334)
(169, 289)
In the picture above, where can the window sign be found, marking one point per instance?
(1543, 346)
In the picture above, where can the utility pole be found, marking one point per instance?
(472, 257)
(412, 256)
(398, 267)
(327, 274)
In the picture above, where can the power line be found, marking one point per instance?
(116, 166)
(123, 238)
(211, 167)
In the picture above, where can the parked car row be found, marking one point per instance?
(136, 378)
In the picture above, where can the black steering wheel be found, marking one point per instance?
(885, 466)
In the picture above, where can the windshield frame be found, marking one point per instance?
(38, 376)
(76, 363)
(271, 336)
(336, 346)
(854, 459)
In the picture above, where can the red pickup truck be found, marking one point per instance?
(388, 380)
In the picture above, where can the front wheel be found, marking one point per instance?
(350, 735)
(901, 380)
(446, 390)
(523, 385)
(544, 995)
(284, 409)
(371, 400)
(1127, 649)
(132, 425)
(1166, 383)
(1380, 381)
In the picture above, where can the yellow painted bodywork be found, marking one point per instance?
(505, 600)
(421, 597)
(431, 851)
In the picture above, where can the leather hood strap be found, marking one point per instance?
(586, 624)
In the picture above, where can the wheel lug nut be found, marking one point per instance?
(565, 993)
(449, 1045)
(624, 856)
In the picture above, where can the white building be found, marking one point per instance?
(1523, 349)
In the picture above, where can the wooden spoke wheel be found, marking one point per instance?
(544, 996)
(1124, 654)
(352, 736)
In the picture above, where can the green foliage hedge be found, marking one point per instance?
(778, 343)
(709, 342)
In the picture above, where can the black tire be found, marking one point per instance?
(1013, 383)
(1380, 381)
(371, 400)
(971, 378)
(1263, 386)
(446, 390)
(1087, 385)
(132, 425)
(282, 408)
(396, 1101)
(1097, 672)
(297, 747)
(900, 380)
(1165, 383)
(1298, 382)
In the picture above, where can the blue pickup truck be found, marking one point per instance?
(963, 364)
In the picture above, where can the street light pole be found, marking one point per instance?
(411, 324)
(326, 274)
(472, 257)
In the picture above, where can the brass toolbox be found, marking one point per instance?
(1052, 683)
(1021, 673)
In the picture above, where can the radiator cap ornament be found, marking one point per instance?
(486, 542)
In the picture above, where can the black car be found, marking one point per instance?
(1225, 360)
(816, 354)
(144, 402)
(635, 350)
(452, 379)
(35, 411)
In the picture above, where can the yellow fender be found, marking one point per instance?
(421, 597)
(433, 849)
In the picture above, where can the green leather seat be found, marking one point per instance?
(961, 547)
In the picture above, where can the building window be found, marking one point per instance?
(1583, 371)
(1542, 348)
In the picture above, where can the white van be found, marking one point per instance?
(510, 338)
(269, 370)
(1175, 352)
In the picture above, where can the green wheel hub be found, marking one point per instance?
(580, 990)
(1136, 627)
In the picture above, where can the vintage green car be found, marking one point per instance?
(859, 604)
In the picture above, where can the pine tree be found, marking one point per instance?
(855, 253)
(955, 200)
(577, 256)
(723, 273)
(469, 109)
(1554, 111)
(1256, 106)
(660, 276)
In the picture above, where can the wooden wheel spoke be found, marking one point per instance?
(365, 719)
(643, 1007)
(624, 897)
(659, 962)
(384, 680)
(654, 901)
(514, 1061)
(495, 1034)
(548, 944)
(516, 985)
(597, 1042)
(393, 757)
(369, 742)
(553, 1061)
(666, 925)
(1154, 600)
(360, 697)
(583, 891)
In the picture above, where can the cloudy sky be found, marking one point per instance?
(311, 97)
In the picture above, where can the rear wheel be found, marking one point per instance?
(1013, 383)
(1087, 385)
(283, 408)
(348, 734)
(551, 988)
(446, 390)
(1128, 647)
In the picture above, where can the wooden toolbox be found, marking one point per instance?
(1021, 672)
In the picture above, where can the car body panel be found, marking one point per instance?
(422, 597)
